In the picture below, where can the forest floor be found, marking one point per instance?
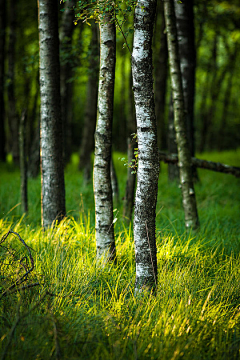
(71, 307)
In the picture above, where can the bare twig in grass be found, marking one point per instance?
(23, 263)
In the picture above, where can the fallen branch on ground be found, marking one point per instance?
(204, 164)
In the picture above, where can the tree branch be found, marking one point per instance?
(204, 164)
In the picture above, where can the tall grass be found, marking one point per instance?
(82, 309)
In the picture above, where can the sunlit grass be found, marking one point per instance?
(90, 311)
(195, 314)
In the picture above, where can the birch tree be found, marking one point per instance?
(52, 175)
(184, 157)
(148, 162)
(103, 141)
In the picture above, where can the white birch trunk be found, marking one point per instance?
(103, 142)
(148, 164)
(186, 181)
(52, 175)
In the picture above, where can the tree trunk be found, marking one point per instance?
(173, 170)
(23, 162)
(186, 181)
(52, 174)
(65, 37)
(161, 73)
(148, 163)
(222, 141)
(186, 42)
(103, 142)
(2, 82)
(12, 114)
(132, 145)
(87, 145)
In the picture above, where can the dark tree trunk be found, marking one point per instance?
(23, 162)
(161, 73)
(13, 119)
(103, 142)
(34, 154)
(186, 42)
(53, 189)
(185, 169)
(87, 145)
(65, 37)
(2, 82)
(148, 163)
(173, 170)
(222, 141)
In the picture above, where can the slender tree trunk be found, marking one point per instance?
(52, 174)
(103, 142)
(148, 163)
(226, 101)
(65, 37)
(173, 170)
(23, 162)
(87, 144)
(132, 145)
(186, 42)
(186, 181)
(2, 82)
(161, 73)
(12, 114)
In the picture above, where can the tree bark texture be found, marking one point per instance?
(23, 162)
(13, 119)
(204, 164)
(186, 181)
(173, 170)
(65, 37)
(148, 163)
(90, 115)
(132, 145)
(52, 174)
(161, 73)
(2, 82)
(187, 52)
(103, 142)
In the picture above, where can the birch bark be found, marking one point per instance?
(52, 175)
(148, 163)
(186, 181)
(103, 142)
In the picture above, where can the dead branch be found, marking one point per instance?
(204, 164)
(23, 263)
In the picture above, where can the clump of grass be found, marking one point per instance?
(82, 309)
(89, 310)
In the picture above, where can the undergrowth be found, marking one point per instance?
(71, 307)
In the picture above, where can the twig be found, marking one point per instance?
(27, 271)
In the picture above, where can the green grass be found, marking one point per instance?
(85, 310)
